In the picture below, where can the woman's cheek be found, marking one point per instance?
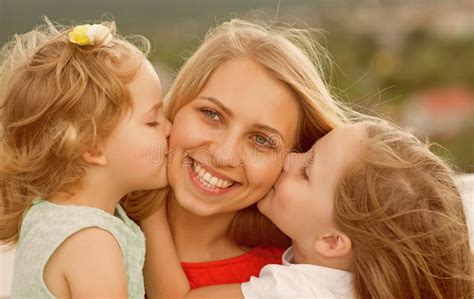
(262, 174)
(186, 132)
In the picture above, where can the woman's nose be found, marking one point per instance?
(226, 151)
(293, 161)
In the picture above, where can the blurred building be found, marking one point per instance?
(439, 111)
(391, 23)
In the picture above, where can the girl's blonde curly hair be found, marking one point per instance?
(57, 100)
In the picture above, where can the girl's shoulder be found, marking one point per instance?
(46, 226)
(69, 268)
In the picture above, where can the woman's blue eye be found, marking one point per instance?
(260, 139)
(263, 141)
(212, 115)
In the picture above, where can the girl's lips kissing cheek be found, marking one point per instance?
(207, 181)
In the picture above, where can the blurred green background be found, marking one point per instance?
(411, 61)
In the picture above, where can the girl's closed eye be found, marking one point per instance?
(153, 124)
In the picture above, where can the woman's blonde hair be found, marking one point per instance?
(403, 213)
(289, 55)
(57, 100)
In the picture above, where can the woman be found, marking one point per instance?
(246, 97)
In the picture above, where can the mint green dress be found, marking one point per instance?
(46, 226)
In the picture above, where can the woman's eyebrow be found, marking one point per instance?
(269, 129)
(218, 103)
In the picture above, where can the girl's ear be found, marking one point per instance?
(95, 156)
(333, 245)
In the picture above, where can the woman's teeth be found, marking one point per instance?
(208, 179)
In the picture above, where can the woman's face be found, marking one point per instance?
(227, 145)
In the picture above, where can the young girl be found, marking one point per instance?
(81, 126)
(371, 212)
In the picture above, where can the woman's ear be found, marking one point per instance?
(95, 156)
(332, 245)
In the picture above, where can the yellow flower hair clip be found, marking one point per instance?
(88, 35)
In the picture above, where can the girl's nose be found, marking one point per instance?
(167, 128)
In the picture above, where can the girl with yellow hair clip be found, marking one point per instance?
(81, 126)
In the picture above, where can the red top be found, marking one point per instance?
(232, 270)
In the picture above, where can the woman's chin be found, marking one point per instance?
(195, 207)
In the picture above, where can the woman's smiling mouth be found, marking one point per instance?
(208, 181)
